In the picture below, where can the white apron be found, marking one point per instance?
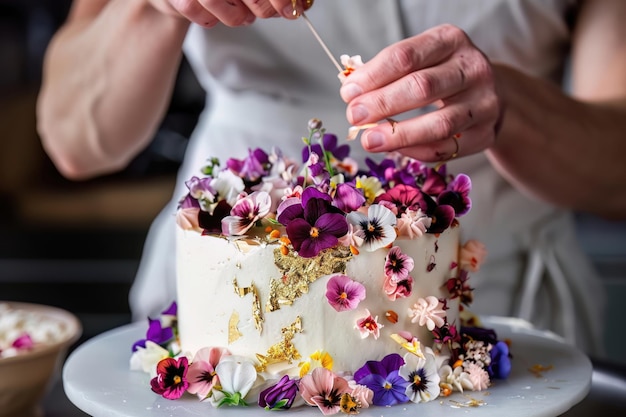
(264, 83)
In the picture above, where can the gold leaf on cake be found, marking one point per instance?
(283, 351)
(257, 314)
(298, 272)
(233, 330)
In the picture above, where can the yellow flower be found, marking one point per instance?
(319, 358)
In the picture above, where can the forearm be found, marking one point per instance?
(568, 152)
(106, 86)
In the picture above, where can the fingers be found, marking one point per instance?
(208, 13)
(471, 117)
(441, 69)
(426, 50)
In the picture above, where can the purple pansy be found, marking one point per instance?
(343, 293)
(457, 195)
(500, 367)
(383, 378)
(329, 141)
(279, 396)
(348, 198)
(319, 228)
(156, 333)
(252, 168)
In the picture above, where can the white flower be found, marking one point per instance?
(422, 376)
(377, 229)
(146, 359)
(456, 378)
(427, 312)
(237, 375)
(228, 186)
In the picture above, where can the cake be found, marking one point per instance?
(321, 283)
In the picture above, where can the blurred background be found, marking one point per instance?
(59, 238)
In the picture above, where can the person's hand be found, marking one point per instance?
(441, 68)
(208, 13)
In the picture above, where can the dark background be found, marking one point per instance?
(60, 238)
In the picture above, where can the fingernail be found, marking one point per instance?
(373, 140)
(350, 91)
(290, 12)
(358, 113)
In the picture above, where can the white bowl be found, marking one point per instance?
(26, 377)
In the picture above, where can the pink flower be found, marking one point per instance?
(246, 212)
(478, 376)
(398, 289)
(368, 325)
(171, 380)
(397, 264)
(201, 374)
(428, 312)
(343, 293)
(323, 389)
(472, 255)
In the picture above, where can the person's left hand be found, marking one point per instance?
(440, 67)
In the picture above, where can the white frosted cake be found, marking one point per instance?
(321, 284)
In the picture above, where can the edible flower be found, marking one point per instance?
(428, 312)
(315, 225)
(156, 333)
(368, 325)
(202, 375)
(171, 380)
(397, 264)
(343, 293)
(384, 379)
(376, 228)
(317, 359)
(279, 396)
(322, 388)
(246, 212)
(421, 373)
(237, 376)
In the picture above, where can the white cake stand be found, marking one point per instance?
(97, 379)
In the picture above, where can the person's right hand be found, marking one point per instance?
(208, 13)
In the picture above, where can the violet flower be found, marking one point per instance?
(279, 396)
(500, 366)
(343, 293)
(441, 218)
(320, 228)
(348, 198)
(252, 168)
(383, 378)
(329, 142)
(171, 380)
(457, 195)
(381, 170)
(156, 333)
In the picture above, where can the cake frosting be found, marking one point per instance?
(321, 283)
